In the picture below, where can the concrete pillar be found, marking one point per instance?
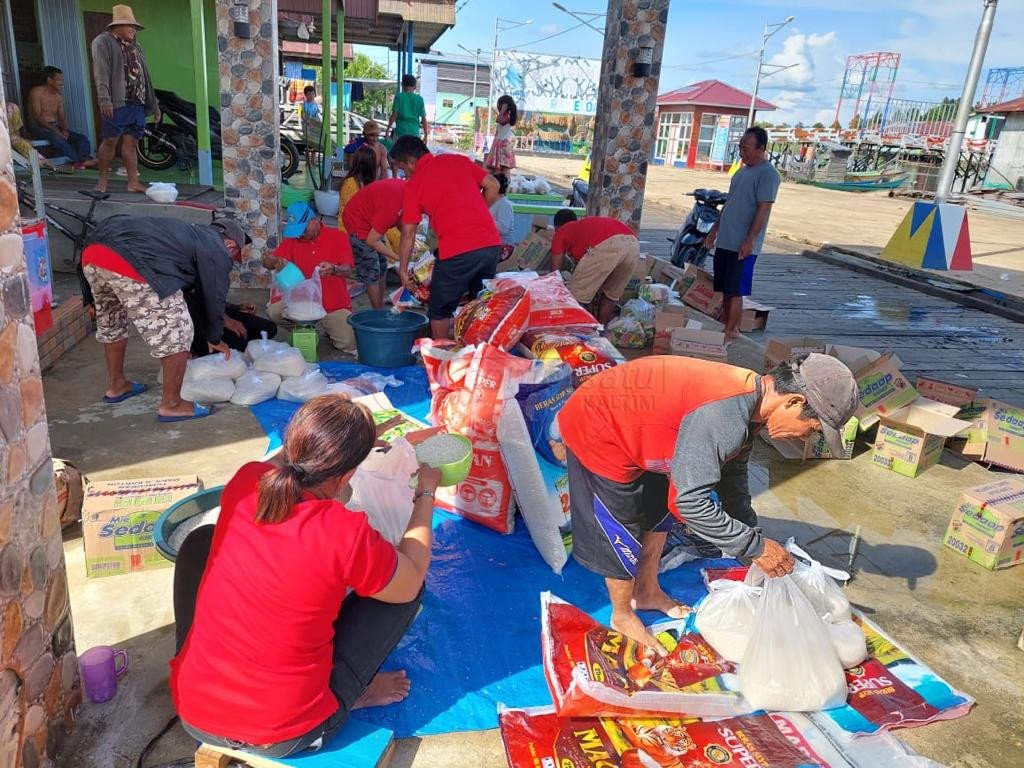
(202, 96)
(39, 685)
(250, 131)
(624, 131)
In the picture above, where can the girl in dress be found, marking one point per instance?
(500, 158)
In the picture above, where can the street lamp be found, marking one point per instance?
(500, 25)
(476, 63)
(769, 30)
(583, 17)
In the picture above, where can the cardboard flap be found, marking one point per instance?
(854, 358)
(944, 392)
(697, 335)
(928, 417)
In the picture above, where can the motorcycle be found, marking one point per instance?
(688, 244)
(166, 144)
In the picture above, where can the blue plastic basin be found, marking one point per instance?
(178, 513)
(385, 338)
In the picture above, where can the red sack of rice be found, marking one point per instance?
(594, 671)
(582, 349)
(551, 303)
(499, 319)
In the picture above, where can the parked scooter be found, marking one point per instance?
(167, 144)
(688, 244)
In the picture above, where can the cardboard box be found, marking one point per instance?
(534, 253)
(118, 519)
(944, 392)
(911, 439)
(883, 390)
(540, 223)
(666, 319)
(644, 265)
(815, 446)
(666, 272)
(693, 341)
(780, 350)
(996, 435)
(988, 524)
(755, 315)
(697, 289)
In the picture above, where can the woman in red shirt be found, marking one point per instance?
(277, 656)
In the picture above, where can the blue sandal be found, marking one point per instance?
(198, 412)
(136, 389)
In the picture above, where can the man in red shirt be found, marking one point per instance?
(666, 437)
(308, 244)
(371, 212)
(456, 194)
(605, 251)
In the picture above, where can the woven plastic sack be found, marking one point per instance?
(255, 387)
(552, 305)
(580, 348)
(498, 319)
(284, 361)
(215, 367)
(207, 390)
(627, 332)
(725, 618)
(790, 663)
(299, 389)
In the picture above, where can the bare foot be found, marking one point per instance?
(90, 163)
(101, 185)
(136, 187)
(183, 408)
(631, 626)
(385, 688)
(659, 601)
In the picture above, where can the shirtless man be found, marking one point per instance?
(46, 120)
(371, 137)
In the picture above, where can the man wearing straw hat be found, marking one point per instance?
(125, 94)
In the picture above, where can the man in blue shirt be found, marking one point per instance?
(738, 236)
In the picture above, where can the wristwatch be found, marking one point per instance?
(421, 494)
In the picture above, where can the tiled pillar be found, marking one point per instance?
(249, 129)
(39, 686)
(625, 130)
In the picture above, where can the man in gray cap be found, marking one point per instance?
(139, 268)
(667, 438)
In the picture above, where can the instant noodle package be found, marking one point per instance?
(497, 319)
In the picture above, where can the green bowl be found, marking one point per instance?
(456, 471)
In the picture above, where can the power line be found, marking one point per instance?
(699, 64)
(549, 37)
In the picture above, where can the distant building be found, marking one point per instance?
(446, 85)
(700, 126)
(1006, 169)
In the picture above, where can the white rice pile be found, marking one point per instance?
(186, 527)
(439, 450)
(304, 311)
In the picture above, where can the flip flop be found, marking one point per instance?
(136, 389)
(198, 412)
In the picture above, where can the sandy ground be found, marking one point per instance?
(813, 216)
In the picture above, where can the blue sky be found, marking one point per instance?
(720, 38)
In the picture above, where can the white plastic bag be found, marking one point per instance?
(849, 642)
(254, 387)
(284, 361)
(725, 618)
(215, 367)
(257, 348)
(380, 488)
(817, 582)
(305, 302)
(790, 663)
(207, 390)
(299, 389)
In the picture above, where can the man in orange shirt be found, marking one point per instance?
(457, 195)
(666, 437)
(611, 250)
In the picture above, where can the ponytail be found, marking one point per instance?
(279, 490)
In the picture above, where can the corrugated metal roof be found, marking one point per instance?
(712, 93)
(1014, 105)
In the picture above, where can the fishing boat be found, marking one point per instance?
(872, 185)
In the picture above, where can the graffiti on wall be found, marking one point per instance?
(539, 82)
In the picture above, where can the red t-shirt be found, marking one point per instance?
(447, 189)
(376, 206)
(578, 237)
(257, 661)
(330, 245)
(110, 260)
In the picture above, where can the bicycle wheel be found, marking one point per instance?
(156, 150)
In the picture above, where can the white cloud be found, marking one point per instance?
(550, 29)
(803, 51)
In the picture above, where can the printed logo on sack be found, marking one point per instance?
(978, 516)
(718, 755)
(112, 529)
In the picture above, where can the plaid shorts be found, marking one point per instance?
(370, 265)
(164, 324)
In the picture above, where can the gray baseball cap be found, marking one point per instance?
(232, 230)
(831, 391)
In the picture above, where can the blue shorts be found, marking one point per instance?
(732, 276)
(129, 119)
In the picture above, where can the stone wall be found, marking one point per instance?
(624, 131)
(250, 134)
(39, 686)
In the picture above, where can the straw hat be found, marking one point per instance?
(123, 15)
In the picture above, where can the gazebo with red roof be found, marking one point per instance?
(700, 126)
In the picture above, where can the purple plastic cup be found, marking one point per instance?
(100, 671)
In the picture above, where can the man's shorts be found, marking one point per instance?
(609, 519)
(606, 268)
(128, 120)
(164, 324)
(370, 265)
(455, 277)
(732, 276)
